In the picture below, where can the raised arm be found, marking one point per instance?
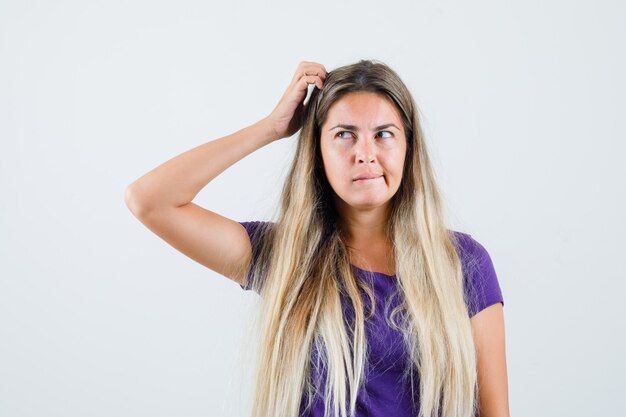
(162, 198)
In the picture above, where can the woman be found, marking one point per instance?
(369, 304)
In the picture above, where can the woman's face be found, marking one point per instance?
(363, 146)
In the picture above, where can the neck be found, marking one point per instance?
(367, 242)
(363, 227)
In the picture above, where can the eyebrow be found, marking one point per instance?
(353, 127)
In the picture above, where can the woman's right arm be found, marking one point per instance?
(162, 198)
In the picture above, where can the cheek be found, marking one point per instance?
(401, 160)
(332, 161)
(394, 163)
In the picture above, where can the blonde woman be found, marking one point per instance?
(369, 305)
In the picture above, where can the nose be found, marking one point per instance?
(365, 152)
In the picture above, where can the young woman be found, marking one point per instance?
(370, 306)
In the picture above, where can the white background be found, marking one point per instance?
(523, 107)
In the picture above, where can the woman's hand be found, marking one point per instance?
(286, 118)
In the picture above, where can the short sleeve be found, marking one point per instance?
(480, 281)
(252, 228)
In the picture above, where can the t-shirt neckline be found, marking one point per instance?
(372, 272)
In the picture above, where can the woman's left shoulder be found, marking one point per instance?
(481, 284)
(467, 246)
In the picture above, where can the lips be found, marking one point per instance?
(367, 177)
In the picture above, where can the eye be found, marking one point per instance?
(341, 133)
(388, 132)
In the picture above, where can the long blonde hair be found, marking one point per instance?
(304, 266)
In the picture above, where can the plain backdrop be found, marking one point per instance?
(523, 107)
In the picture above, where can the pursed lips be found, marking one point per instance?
(366, 177)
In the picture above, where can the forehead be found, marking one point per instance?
(363, 109)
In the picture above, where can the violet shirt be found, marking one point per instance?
(384, 394)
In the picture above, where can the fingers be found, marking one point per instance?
(310, 79)
(308, 69)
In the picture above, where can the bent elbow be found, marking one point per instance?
(134, 203)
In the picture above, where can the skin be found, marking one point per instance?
(489, 338)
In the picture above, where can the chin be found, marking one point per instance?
(363, 201)
(367, 204)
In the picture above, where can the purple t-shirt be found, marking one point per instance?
(385, 394)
